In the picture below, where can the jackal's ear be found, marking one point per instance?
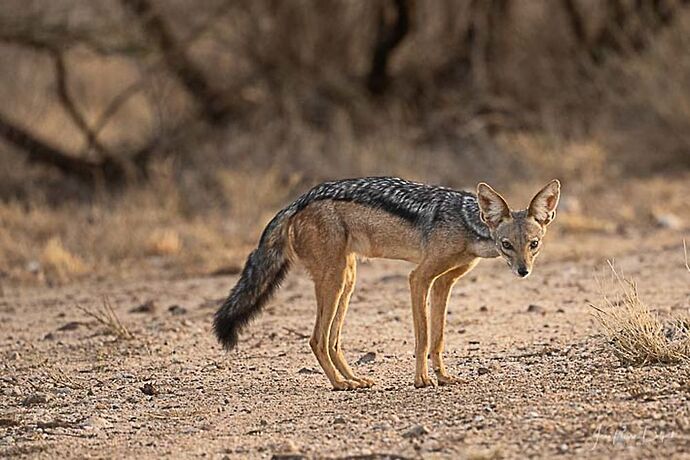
(543, 205)
(492, 207)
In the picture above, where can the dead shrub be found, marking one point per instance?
(636, 334)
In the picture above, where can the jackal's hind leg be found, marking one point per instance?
(440, 293)
(329, 286)
(335, 350)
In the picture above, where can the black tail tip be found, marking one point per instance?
(227, 334)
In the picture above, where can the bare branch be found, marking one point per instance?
(577, 22)
(70, 106)
(40, 151)
(211, 101)
(62, 37)
(391, 32)
(627, 28)
(115, 104)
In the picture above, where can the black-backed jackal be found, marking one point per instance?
(444, 232)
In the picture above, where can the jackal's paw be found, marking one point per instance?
(445, 379)
(364, 382)
(339, 385)
(422, 381)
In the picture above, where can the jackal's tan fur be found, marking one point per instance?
(327, 235)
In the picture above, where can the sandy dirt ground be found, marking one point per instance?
(539, 380)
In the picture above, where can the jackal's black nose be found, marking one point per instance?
(522, 271)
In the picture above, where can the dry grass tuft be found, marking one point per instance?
(637, 335)
(106, 316)
(164, 242)
(60, 262)
(582, 223)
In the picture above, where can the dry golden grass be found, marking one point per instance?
(582, 223)
(164, 242)
(60, 263)
(163, 229)
(153, 228)
(636, 334)
(106, 316)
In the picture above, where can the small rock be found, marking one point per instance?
(483, 309)
(14, 356)
(226, 270)
(96, 423)
(177, 310)
(668, 220)
(570, 204)
(532, 308)
(367, 358)
(212, 303)
(416, 432)
(71, 326)
(483, 370)
(147, 307)
(563, 448)
(34, 399)
(149, 389)
(56, 423)
(308, 370)
(49, 336)
(33, 266)
(339, 420)
(8, 422)
(288, 447)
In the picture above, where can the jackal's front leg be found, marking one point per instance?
(440, 294)
(419, 290)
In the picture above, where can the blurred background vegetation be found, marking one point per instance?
(143, 136)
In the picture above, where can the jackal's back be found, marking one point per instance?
(424, 206)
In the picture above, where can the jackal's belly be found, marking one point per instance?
(378, 234)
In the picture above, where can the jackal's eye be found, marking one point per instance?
(506, 245)
(534, 244)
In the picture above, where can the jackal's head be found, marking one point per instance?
(518, 234)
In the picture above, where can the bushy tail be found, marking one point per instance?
(263, 272)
